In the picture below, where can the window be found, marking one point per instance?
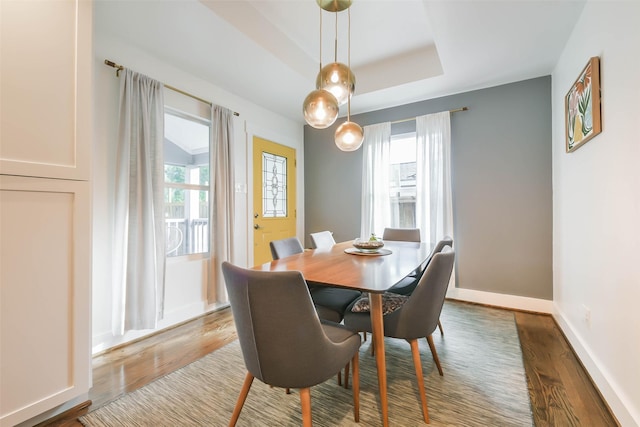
(186, 189)
(402, 183)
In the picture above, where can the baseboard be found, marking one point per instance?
(621, 407)
(501, 300)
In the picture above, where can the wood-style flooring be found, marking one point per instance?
(562, 394)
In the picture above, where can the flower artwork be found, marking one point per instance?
(582, 106)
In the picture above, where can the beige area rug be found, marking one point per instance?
(484, 384)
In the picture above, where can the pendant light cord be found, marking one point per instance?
(320, 45)
(348, 64)
(335, 46)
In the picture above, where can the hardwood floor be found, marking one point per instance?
(561, 391)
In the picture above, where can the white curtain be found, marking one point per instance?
(222, 201)
(139, 246)
(376, 201)
(434, 211)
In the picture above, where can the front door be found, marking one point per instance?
(274, 196)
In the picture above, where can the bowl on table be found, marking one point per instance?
(368, 245)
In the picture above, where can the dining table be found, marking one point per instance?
(342, 266)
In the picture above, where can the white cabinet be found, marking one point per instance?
(45, 207)
(45, 295)
(45, 96)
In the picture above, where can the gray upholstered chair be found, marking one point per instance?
(322, 239)
(288, 346)
(417, 317)
(285, 247)
(401, 234)
(330, 303)
(408, 284)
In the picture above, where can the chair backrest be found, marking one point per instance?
(442, 243)
(322, 239)
(418, 317)
(285, 247)
(279, 331)
(445, 241)
(401, 234)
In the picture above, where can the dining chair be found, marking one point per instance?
(330, 303)
(401, 234)
(285, 247)
(417, 317)
(322, 239)
(283, 342)
(408, 284)
(335, 299)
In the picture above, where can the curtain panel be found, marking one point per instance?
(222, 201)
(434, 211)
(434, 205)
(139, 245)
(376, 200)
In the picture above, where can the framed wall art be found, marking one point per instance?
(582, 107)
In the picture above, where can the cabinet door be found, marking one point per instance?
(45, 90)
(45, 295)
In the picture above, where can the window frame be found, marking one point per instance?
(191, 187)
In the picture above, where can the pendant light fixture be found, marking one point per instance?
(320, 107)
(349, 135)
(335, 85)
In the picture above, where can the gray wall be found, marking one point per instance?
(502, 201)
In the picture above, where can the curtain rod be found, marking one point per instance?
(457, 110)
(120, 68)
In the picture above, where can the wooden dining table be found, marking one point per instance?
(372, 273)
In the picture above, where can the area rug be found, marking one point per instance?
(484, 384)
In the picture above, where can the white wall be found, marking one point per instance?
(185, 277)
(596, 203)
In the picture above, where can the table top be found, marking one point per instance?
(334, 267)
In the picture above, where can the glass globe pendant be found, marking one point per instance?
(320, 109)
(338, 79)
(349, 136)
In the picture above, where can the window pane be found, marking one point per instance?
(204, 175)
(174, 203)
(175, 174)
(274, 187)
(187, 224)
(403, 181)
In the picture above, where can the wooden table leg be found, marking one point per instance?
(377, 326)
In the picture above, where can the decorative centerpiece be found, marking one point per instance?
(371, 245)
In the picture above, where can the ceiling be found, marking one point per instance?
(402, 51)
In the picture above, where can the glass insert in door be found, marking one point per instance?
(274, 186)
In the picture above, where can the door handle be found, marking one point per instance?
(256, 226)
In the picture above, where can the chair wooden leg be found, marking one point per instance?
(434, 353)
(248, 380)
(340, 377)
(288, 390)
(364, 333)
(346, 376)
(305, 401)
(356, 387)
(372, 346)
(440, 327)
(415, 352)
